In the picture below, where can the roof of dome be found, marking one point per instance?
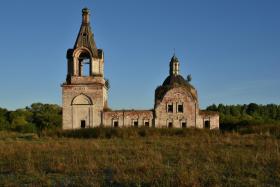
(176, 80)
(173, 81)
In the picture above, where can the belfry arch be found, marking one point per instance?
(83, 58)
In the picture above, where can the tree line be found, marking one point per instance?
(235, 116)
(35, 118)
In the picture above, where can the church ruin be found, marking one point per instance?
(85, 97)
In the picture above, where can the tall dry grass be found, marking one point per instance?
(158, 158)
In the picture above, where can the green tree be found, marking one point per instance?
(252, 109)
(234, 110)
(221, 108)
(46, 116)
(278, 112)
(272, 111)
(20, 120)
(4, 123)
(212, 107)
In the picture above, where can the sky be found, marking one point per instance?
(230, 47)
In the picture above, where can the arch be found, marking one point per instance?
(81, 50)
(82, 62)
(81, 99)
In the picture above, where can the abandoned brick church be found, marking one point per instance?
(85, 98)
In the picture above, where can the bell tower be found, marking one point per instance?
(84, 93)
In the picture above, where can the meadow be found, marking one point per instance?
(141, 157)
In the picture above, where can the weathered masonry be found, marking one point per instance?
(85, 98)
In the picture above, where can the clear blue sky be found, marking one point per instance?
(231, 48)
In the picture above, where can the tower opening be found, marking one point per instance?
(85, 71)
(84, 65)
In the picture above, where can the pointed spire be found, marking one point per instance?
(85, 37)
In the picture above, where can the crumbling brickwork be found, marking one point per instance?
(85, 97)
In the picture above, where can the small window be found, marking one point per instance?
(184, 125)
(170, 124)
(135, 123)
(116, 124)
(83, 124)
(170, 108)
(207, 124)
(147, 124)
(180, 108)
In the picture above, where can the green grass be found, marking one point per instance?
(140, 157)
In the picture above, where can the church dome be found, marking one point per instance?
(175, 80)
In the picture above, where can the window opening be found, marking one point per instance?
(170, 108)
(180, 108)
(135, 123)
(147, 124)
(207, 124)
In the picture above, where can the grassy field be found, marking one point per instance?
(140, 157)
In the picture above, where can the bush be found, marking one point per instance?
(124, 133)
(24, 128)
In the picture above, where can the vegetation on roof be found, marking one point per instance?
(162, 90)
